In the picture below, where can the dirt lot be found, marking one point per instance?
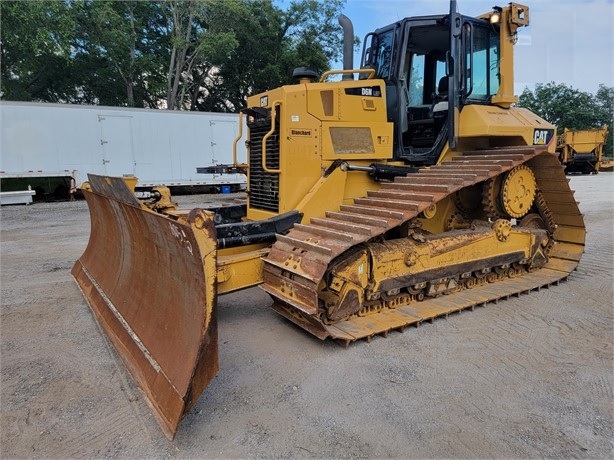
(529, 377)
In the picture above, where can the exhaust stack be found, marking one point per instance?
(348, 45)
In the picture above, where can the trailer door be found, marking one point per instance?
(223, 134)
(116, 143)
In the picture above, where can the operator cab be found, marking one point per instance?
(430, 72)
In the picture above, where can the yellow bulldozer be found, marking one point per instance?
(581, 151)
(378, 197)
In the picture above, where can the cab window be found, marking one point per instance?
(483, 79)
(383, 62)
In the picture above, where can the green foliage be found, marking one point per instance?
(36, 61)
(604, 101)
(120, 49)
(270, 44)
(566, 107)
(188, 54)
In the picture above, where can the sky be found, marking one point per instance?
(570, 42)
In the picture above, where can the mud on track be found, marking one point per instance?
(528, 377)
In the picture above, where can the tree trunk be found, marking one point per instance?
(179, 51)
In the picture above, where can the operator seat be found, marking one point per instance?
(440, 100)
(439, 107)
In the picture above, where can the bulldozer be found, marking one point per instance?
(403, 190)
(581, 151)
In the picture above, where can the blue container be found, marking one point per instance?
(225, 189)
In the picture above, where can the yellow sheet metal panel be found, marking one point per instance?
(515, 124)
(241, 267)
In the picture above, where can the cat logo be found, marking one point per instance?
(542, 136)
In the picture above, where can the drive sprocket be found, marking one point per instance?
(518, 191)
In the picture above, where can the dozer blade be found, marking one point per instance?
(150, 282)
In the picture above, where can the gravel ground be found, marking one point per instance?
(531, 377)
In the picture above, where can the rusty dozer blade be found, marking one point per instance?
(165, 331)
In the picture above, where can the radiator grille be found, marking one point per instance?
(263, 186)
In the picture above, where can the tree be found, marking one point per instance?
(36, 51)
(566, 107)
(604, 99)
(271, 43)
(95, 52)
(605, 109)
(199, 43)
(120, 48)
(561, 105)
(179, 54)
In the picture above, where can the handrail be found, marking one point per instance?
(266, 137)
(236, 141)
(326, 74)
(469, 30)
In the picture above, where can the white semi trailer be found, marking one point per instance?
(40, 142)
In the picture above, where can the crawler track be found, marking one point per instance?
(297, 263)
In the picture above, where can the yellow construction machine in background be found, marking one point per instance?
(406, 190)
(581, 151)
(606, 165)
